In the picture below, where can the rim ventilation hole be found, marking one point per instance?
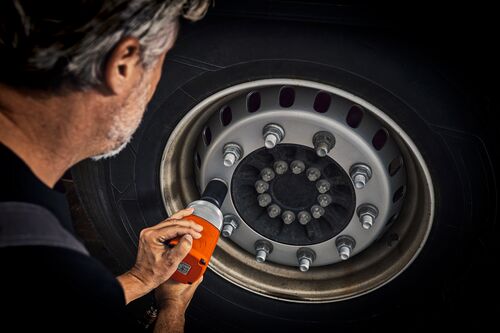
(391, 220)
(380, 138)
(400, 192)
(287, 97)
(395, 165)
(253, 101)
(322, 102)
(207, 136)
(354, 116)
(197, 160)
(226, 115)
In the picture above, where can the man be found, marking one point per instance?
(75, 79)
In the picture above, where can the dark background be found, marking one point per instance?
(462, 39)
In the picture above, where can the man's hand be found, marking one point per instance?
(173, 299)
(155, 261)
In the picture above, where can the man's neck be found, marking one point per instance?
(36, 130)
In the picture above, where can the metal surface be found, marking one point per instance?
(207, 211)
(306, 128)
(232, 153)
(229, 225)
(372, 268)
(262, 250)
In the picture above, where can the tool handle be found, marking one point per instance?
(193, 266)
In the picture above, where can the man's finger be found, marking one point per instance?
(180, 251)
(168, 233)
(182, 213)
(177, 222)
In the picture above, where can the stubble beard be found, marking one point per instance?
(125, 122)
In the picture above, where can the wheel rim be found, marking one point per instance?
(378, 256)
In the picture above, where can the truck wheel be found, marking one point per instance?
(346, 154)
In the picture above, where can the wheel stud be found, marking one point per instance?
(273, 211)
(264, 199)
(273, 134)
(229, 224)
(280, 167)
(297, 166)
(324, 200)
(345, 245)
(261, 186)
(367, 214)
(360, 175)
(288, 216)
(317, 211)
(304, 217)
(267, 174)
(232, 153)
(306, 257)
(323, 142)
(313, 174)
(323, 185)
(262, 249)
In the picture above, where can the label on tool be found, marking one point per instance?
(183, 268)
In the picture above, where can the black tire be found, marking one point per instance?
(122, 195)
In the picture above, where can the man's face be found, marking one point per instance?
(126, 115)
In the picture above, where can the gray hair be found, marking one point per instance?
(44, 44)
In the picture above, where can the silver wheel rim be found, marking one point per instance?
(371, 266)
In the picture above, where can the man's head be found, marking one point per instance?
(109, 51)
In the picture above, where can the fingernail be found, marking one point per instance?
(198, 227)
(197, 235)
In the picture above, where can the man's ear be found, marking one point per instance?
(123, 67)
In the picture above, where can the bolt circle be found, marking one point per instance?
(297, 167)
(261, 186)
(267, 174)
(280, 167)
(317, 211)
(288, 216)
(323, 185)
(313, 174)
(264, 199)
(273, 211)
(304, 217)
(324, 200)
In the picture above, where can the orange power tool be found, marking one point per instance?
(206, 213)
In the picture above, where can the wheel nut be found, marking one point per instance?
(288, 216)
(264, 199)
(360, 175)
(280, 167)
(306, 257)
(262, 249)
(313, 174)
(229, 224)
(323, 142)
(367, 214)
(345, 245)
(317, 211)
(261, 186)
(323, 185)
(273, 134)
(297, 166)
(324, 200)
(304, 217)
(273, 211)
(232, 153)
(267, 174)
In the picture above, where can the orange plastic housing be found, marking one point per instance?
(196, 262)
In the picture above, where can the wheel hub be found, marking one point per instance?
(380, 240)
(291, 190)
